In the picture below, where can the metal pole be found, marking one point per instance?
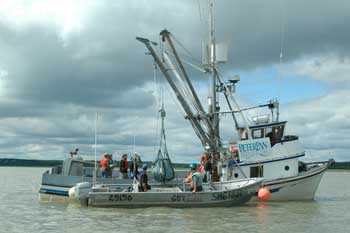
(95, 173)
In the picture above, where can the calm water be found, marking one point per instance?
(21, 211)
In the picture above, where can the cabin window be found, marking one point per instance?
(235, 175)
(268, 132)
(76, 169)
(257, 171)
(258, 133)
(282, 130)
(278, 132)
(244, 135)
(286, 168)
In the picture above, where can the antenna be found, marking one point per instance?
(95, 173)
(134, 147)
(282, 43)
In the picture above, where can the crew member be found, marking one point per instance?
(110, 166)
(196, 183)
(123, 166)
(207, 168)
(200, 168)
(133, 169)
(143, 179)
(104, 164)
(234, 151)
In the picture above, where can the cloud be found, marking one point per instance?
(63, 61)
(328, 68)
(322, 124)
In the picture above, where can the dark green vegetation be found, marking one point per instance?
(29, 163)
(341, 165)
(51, 163)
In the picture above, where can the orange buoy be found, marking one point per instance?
(264, 194)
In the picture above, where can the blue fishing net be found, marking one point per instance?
(162, 168)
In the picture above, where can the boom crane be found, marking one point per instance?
(180, 92)
(205, 125)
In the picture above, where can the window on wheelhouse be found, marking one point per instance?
(258, 133)
(243, 134)
(275, 133)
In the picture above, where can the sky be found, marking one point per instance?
(61, 62)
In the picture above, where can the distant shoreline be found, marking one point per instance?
(8, 162)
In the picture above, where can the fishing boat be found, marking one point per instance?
(58, 180)
(224, 194)
(272, 154)
(262, 149)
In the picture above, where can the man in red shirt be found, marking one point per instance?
(123, 166)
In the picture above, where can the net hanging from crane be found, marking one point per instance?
(162, 168)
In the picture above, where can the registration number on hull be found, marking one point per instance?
(120, 197)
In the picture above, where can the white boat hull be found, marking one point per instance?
(299, 188)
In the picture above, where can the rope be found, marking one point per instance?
(200, 12)
(158, 94)
(189, 54)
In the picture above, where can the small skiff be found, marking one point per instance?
(229, 193)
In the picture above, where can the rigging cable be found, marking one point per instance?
(189, 54)
(200, 11)
(282, 44)
(158, 90)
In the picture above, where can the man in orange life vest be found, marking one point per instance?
(105, 168)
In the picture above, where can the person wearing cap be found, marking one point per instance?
(143, 179)
(196, 181)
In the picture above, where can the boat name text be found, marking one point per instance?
(120, 197)
(256, 146)
(185, 198)
(226, 195)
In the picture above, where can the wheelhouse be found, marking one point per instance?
(275, 131)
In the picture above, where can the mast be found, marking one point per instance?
(212, 100)
(205, 124)
(214, 135)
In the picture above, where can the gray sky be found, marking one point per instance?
(62, 61)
